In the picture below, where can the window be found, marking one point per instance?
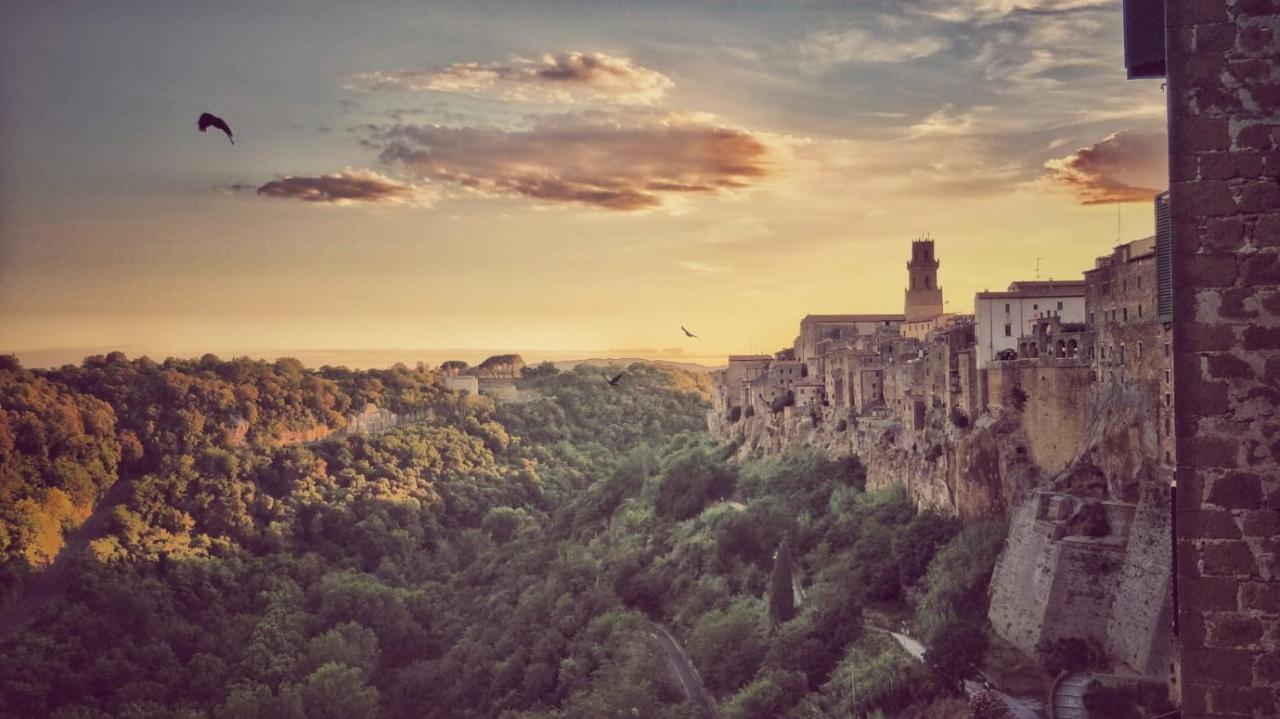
(1121, 355)
(1008, 330)
(1035, 307)
(1125, 314)
(1166, 349)
(1139, 281)
(1092, 318)
(1167, 376)
(1139, 351)
(1006, 307)
(1059, 305)
(1139, 311)
(1168, 399)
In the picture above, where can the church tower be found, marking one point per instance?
(924, 296)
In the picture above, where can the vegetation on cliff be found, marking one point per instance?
(487, 562)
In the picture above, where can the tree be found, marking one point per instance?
(782, 606)
(337, 691)
(956, 652)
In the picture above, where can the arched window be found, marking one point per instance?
(1062, 349)
(1072, 348)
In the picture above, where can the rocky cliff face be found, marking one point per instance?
(1075, 464)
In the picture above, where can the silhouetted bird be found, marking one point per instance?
(613, 382)
(687, 333)
(207, 121)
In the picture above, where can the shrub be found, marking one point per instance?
(956, 652)
(959, 418)
(1068, 654)
(1019, 397)
(842, 425)
(986, 704)
(735, 414)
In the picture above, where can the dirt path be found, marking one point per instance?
(53, 579)
(684, 671)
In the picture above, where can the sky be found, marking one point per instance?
(547, 177)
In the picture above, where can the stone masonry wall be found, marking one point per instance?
(1224, 160)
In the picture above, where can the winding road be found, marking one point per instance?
(684, 672)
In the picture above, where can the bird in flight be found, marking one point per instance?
(613, 382)
(207, 121)
(687, 333)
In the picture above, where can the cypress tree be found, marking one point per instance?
(782, 605)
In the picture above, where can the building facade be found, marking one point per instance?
(1002, 317)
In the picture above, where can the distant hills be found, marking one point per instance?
(624, 361)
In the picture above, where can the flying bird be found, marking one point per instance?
(207, 120)
(613, 382)
(687, 333)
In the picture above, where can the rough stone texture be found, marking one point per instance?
(1224, 126)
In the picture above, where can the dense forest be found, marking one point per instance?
(519, 560)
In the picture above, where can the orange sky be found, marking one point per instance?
(548, 181)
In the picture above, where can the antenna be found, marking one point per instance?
(1038, 267)
(1118, 233)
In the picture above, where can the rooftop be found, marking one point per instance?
(853, 318)
(750, 358)
(1037, 288)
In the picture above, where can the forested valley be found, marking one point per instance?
(489, 560)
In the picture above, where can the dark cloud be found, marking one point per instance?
(1127, 166)
(558, 78)
(349, 187)
(606, 160)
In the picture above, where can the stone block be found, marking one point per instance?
(1238, 490)
(1231, 630)
(1228, 557)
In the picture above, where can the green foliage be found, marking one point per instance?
(769, 695)
(691, 479)
(729, 645)
(485, 561)
(956, 651)
(958, 575)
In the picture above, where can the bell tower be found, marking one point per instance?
(924, 296)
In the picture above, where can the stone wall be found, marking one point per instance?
(1055, 410)
(1224, 160)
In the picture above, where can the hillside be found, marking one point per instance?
(522, 561)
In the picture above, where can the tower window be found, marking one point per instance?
(1008, 330)
(1059, 305)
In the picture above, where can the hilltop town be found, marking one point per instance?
(1051, 403)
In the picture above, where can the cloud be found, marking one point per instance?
(350, 187)
(855, 44)
(1127, 166)
(567, 77)
(703, 268)
(987, 10)
(617, 161)
(233, 187)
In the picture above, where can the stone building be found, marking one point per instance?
(1002, 317)
(836, 331)
(1131, 344)
(462, 383)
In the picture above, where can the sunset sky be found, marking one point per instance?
(539, 176)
